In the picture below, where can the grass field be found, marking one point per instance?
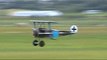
(89, 43)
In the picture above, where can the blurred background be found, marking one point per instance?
(50, 9)
(62, 5)
(16, 29)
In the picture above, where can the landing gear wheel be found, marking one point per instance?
(41, 43)
(35, 42)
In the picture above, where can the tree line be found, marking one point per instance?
(62, 5)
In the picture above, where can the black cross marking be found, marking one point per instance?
(74, 29)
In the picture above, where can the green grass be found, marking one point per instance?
(84, 45)
(89, 43)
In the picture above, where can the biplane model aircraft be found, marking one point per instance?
(40, 30)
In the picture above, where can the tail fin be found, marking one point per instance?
(74, 29)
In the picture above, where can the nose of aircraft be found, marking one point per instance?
(74, 29)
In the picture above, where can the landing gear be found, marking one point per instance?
(40, 43)
(35, 42)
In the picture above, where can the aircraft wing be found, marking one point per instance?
(42, 21)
